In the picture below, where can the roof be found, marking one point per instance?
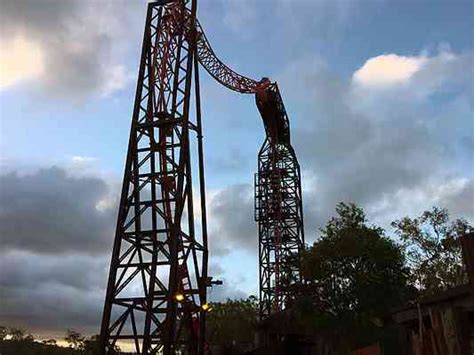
(460, 296)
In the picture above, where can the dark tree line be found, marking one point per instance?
(17, 341)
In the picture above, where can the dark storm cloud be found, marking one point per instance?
(51, 212)
(56, 232)
(20, 268)
(56, 240)
(49, 293)
(51, 309)
(55, 250)
(78, 39)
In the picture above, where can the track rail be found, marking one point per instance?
(278, 200)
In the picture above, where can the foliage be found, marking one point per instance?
(75, 339)
(92, 345)
(355, 276)
(3, 332)
(231, 324)
(50, 342)
(433, 249)
(14, 334)
(17, 341)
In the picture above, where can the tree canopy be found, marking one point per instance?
(354, 268)
(232, 324)
(355, 275)
(17, 341)
(433, 249)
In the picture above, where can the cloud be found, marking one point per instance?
(118, 78)
(241, 17)
(57, 231)
(231, 219)
(227, 290)
(369, 146)
(387, 69)
(67, 49)
(22, 267)
(419, 76)
(50, 212)
(80, 159)
(50, 293)
(323, 17)
(20, 60)
(455, 193)
(57, 228)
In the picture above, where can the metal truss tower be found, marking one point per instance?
(278, 208)
(158, 274)
(156, 292)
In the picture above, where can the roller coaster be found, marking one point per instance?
(156, 298)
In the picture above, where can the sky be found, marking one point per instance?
(380, 96)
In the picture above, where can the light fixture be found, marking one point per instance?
(206, 307)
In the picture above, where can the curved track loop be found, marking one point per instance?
(216, 68)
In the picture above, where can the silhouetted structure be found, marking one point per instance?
(156, 293)
(278, 207)
(158, 275)
(442, 323)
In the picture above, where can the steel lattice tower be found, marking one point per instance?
(158, 274)
(278, 208)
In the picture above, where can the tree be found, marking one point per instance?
(232, 324)
(92, 345)
(50, 342)
(74, 339)
(355, 276)
(3, 332)
(17, 334)
(433, 249)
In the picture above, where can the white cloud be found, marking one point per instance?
(388, 69)
(241, 17)
(81, 159)
(454, 193)
(117, 79)
(20, 60)
(387, 150)
(72, 49)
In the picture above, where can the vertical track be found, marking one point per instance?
(278, 208)
(158, 274)
(280, 230)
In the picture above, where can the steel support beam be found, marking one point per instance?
(158, 273)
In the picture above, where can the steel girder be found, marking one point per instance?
(158, 273)
(278, 211)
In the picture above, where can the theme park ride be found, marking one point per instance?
(156, 299)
